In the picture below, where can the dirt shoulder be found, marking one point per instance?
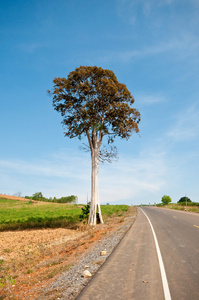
(33, 259)
(12, 197)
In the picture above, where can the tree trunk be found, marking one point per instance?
(95, 203)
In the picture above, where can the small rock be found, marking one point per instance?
(86, 267)
(87, 274)
(103, 252)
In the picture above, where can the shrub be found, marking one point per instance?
(85, 213)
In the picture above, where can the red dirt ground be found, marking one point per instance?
(31, 259)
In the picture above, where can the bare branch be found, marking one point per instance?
(108, 155)
(85, 148)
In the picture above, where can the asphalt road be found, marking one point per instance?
(132, 271)
(178, 237)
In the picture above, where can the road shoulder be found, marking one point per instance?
(131, 271)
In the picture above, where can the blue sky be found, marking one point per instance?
(152, 46)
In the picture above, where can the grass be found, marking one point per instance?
(20, 215)
(191, 208)
(26, 215)
(7, 279)
(114, 209)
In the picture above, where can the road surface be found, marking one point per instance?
(132, 271)
(178, 236)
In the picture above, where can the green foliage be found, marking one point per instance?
(191, 206)
(90, 99)
(166, 199)
(184, 199)
(69, 199)
(85, 213)
(22, 215)
(106, 210)
(94, 104)
(4, 280)
(39, 197)
(189, 203)
(113, 209)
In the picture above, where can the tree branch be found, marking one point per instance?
(89, 140)
(108, 155)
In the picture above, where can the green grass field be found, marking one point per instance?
(16, 214)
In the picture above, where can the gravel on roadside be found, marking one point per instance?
(71, 282)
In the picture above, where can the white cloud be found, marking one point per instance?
(186, 125)
(63, 174)
(59, 174)
(127, 10)
(30, 47)
(131, 179)
(150, 98)
(143, 178)
(183, 46)
(169, 31)
(56, 165)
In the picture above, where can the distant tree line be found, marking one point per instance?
(183, 201)
(38, 196)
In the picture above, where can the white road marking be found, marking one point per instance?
(161, 264)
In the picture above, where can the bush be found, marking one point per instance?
(85, 213)
(166, 199)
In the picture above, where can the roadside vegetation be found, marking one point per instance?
(20, 215)
(192, 207)
(184, 203)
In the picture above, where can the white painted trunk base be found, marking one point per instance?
(95, 202)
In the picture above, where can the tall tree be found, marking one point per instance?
(166, 199)
(94, 104)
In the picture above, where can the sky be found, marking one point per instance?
(152, 46)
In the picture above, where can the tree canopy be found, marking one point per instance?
(92, 101)
(166, 199)
(184, 199)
